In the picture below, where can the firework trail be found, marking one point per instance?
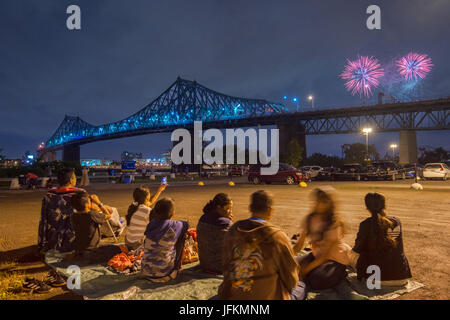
(414, 66)
(362, 74)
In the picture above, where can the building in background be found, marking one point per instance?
(96, 163)
(131, 156)
(10, 163)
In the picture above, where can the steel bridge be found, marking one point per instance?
(179, 106)
(187, 101)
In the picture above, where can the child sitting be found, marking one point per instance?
(138, 216)
(164, 243)
(87, 219)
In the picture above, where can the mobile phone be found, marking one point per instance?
(164, 180)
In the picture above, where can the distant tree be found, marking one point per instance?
(294, 153)
(356, 153)
(436, 155)
(236, 151)
(323, 160)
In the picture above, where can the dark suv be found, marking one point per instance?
(386, 170)
(286, 173)
(353, 171)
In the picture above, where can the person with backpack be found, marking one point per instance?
(258, 260)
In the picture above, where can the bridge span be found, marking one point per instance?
(187, 101)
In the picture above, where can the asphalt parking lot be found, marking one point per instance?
(425, 215)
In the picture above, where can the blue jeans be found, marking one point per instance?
(299, 292)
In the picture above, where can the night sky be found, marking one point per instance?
(128, 52)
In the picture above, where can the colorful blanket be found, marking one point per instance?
(100, 282)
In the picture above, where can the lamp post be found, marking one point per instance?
(294, 100)
(366, 131)
(393, 146)
(311, 98)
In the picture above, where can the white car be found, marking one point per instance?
(436, 171)
(313, 170)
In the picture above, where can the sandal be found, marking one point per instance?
(55, 280)
(34, 285)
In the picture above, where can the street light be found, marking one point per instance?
(293, 100)
(311, 98)
(366, 131)
(393, 146)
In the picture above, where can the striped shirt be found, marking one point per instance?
(138, 224)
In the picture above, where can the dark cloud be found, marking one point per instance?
(128, 52)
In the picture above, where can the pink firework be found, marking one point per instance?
(414, 66)
(362, 74)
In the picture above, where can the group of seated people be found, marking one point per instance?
(256, 258)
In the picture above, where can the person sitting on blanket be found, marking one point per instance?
(379, 242)
(259, 262)
(164, 243)
(90, 214)
(211, 229)
(55, 227)
(138, 215)
(325, 266)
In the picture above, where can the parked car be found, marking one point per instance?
(410, 170)
(436, 171)
(286, 173)
(306, 175)
(387, 170)
(236, 171)
(313, 170)
(353, 171)
(326, 173)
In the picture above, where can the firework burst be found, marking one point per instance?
(414, 66)
(362, 74)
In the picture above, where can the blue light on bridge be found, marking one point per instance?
(170, 109)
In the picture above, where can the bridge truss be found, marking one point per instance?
(180, 105)
(187, 101)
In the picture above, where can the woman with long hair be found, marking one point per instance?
(325, 266)
(211, 229)
(379, 242)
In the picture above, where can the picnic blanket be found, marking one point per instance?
(100, 282)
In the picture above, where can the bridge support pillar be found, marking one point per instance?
(71, 153)
(192, 167)
(408, 147)
(288, 132)
(48, 156)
